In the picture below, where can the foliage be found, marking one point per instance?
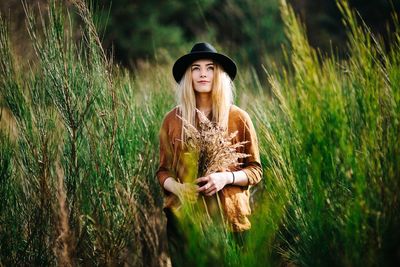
(141, 31)
(77, 182)
(332, 140)
(74, 122)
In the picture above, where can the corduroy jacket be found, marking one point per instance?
(234, 199)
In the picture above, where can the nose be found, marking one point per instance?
(203, 73)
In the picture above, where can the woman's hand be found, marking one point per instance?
(186, 192)
(213, 182)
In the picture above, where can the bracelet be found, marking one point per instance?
(233, 178)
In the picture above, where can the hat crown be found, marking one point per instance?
(203, 47)
(203, 51)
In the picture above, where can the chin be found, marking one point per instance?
(203, 90)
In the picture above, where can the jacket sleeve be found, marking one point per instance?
(166, 156)
(252, 164)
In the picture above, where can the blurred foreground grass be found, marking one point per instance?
(77, 171)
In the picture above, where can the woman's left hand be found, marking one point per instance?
(213, 182)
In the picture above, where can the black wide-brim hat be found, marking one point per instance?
(203, 51)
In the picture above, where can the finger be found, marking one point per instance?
(202, 179)
(212, 192)
(204, 187)
(212, 188)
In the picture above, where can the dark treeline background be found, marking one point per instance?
(138, 32)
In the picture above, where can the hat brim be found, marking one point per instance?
(184, 62)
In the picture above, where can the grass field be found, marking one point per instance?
(79, 150)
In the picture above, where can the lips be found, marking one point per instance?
(203, 82)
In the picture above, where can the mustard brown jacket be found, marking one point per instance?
(235, 199)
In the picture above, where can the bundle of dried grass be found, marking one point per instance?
(212, 149)
(215, 149)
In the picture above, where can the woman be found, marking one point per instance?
(204, 79)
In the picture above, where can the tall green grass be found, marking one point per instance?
(77, 181)
(330, 141)
(77, 117)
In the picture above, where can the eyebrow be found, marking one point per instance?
(198, 65)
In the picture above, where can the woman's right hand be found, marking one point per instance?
(186, 192)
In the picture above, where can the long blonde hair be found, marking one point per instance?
(221, 95)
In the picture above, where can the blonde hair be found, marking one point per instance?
(221, 95)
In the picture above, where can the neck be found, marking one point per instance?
(204, 103)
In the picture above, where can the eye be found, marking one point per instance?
(210, 68)
(195, 68)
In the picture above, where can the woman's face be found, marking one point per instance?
(202, 75)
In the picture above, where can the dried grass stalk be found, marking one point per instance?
(214, 149)
(63, 248)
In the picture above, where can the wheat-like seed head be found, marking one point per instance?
(216, 151)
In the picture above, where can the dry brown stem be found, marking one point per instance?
(63, 242)
(215, 147)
